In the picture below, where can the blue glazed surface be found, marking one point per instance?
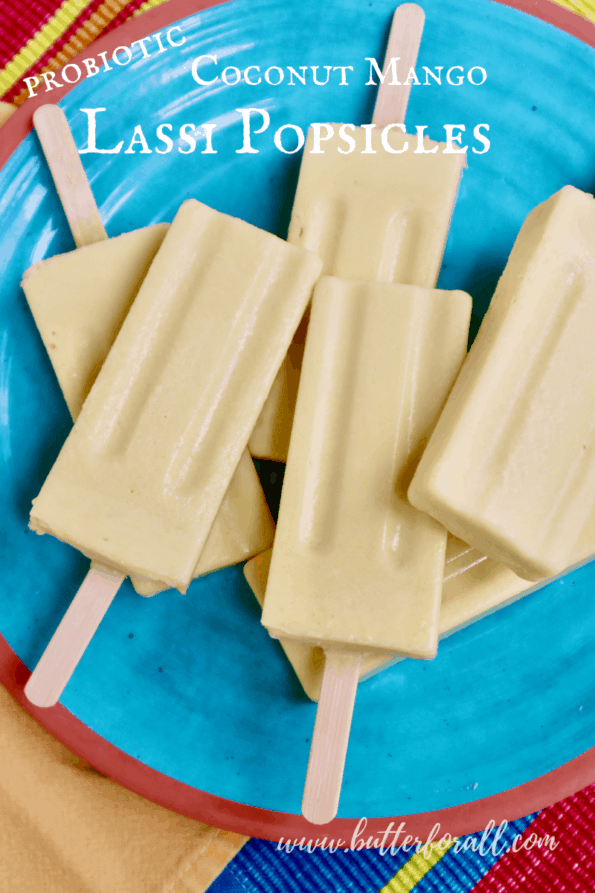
(192, 685)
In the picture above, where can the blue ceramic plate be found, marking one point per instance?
(192, 685)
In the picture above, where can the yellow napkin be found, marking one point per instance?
(64, 828)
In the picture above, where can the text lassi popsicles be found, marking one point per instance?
(510, 467)
(355, 568)
(376, 213)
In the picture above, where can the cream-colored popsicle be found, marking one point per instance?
(473, 587)
(510, 467)
(381, 217)
(141, 477)
(349, 550)
(79, 301)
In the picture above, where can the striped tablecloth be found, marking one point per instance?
(553, 850)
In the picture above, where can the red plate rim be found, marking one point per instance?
(182, 798)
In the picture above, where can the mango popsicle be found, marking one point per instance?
(510, 467)
(141, 476)
(354, 569)
(143, 473)
(371, 214)
(78, 333)
(473, 587)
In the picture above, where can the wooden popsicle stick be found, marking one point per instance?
(79, 624)
(69, 175)
(59, 660)
(403, 43)
(331, 735)
(341, 671)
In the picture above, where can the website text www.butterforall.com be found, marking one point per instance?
(393, 840)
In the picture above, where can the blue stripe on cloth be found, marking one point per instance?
(260, 867)
(459, 872)
(227, 883)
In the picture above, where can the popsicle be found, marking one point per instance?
(142, 475)
(473, 587)
(510, 467)
(354, 568)
(369, 214)
(78, 333)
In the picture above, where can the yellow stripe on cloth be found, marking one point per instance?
(585, 8)
(415, 869)
(37, 46)
(149, 4)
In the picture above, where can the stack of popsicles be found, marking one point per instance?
(154, 479)
(167, 359)
(333, 534)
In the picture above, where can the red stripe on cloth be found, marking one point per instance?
(568, 868)
(95, 30)
(19, 22)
